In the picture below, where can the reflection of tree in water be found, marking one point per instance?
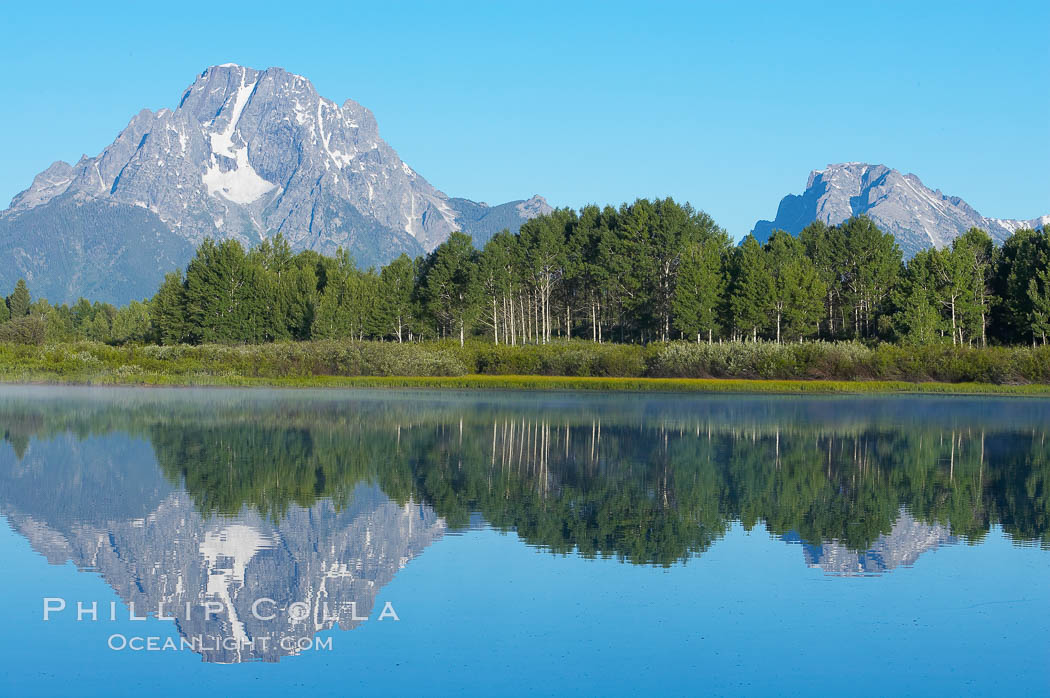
(649, 487)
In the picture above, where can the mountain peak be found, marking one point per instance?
(249, 153)
(917, 216)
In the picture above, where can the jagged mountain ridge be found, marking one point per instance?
(245, 154)
(917, 216)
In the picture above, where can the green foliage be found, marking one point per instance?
(225, 299)
(59, 325)
(450, 290)
(557, 359)
(168, 311)
(918, 320)
(395, 315)
(798, 292)
(700, 292)
(131, 324)
(650, 271)
(18, 301)
(1023, 255)
(302, 362)
(870, 269)
(98, 328)
(1039, 296)
(851, 361)
(26, 329)
(752, 290)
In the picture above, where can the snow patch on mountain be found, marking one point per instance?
(240, 184)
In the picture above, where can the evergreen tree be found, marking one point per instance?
(917, 319)
(806, 294)
(449, 288)
(296, 291)
(168, 310)
(98, 328)
(632, 267)
(1039, 295)
(586, 274)
(700, 290)
(1020, 259)
(635, 274)
(333, 312)
(797, 292)
(82, 312)
(58, 324)
(334, 318)
(365, 304)
(222, 295)
(752, 288)
(18, 302)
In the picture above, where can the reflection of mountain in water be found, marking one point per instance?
(334, 560)
(233, 496)
(901, 547)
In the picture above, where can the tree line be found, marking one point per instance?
(646, 271)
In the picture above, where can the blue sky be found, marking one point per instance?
(724, 105)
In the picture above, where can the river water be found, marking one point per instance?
(258, 542)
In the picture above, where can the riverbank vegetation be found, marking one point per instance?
(680, 365)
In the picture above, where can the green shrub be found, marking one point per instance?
(21, 355)
(850, 361)
(29, 329)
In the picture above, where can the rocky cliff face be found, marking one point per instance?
(918, 217)
(245, 154)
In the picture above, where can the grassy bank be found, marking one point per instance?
(794, 368)
(483, 382)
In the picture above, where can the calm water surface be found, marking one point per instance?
(277, 542)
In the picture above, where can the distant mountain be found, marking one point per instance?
(918, 217)
(245, 154)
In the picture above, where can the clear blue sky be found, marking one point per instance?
(728, 107)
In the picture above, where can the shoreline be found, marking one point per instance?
(534, 383)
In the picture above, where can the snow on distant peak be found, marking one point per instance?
(1014, 224)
